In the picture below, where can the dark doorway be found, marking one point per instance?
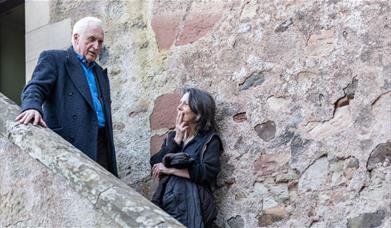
(12, 48)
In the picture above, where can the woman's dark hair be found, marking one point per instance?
(204, 106)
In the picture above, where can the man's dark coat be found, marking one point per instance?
(60, 92)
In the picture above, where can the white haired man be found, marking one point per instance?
(70, 93)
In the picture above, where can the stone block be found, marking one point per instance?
(165, 111)
(266, 131)
(380, 156)
(198, 24)
(156, 143)
(253, 80)
(166, 28)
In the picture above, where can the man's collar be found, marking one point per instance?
(83, 60)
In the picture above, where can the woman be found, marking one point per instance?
(192, 153)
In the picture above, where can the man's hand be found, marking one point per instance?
(31, 115)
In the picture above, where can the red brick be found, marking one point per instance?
(155, 143)
(166, 28)
(164, 111)
(197, 25)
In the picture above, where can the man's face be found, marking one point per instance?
(90, 42)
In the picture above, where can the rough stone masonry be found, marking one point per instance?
(303, 91)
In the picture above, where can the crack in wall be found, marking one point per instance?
(16, 223)
(323, 155)
(349, 92)
(379, 97)
(99, 195)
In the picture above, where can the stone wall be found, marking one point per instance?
(46, 182)
(303, 91)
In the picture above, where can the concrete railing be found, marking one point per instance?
(123, 205)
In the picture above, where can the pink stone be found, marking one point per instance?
(165, 28)
(197, 25)
(268, 164)
(156, 143)
(164, 111)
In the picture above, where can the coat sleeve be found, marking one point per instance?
(168, 146)
(41, 83)
(209, 168)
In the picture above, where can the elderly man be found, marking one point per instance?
(69, 93)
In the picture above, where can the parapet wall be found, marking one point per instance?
(46, 182)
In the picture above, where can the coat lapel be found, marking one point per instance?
(103, 85)
(76, 73)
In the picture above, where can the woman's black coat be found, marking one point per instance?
(190, 201)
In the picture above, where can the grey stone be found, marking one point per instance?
(314, 178)
(266, 130)
(236, 222)
(283, 139)
(367, 220)
(381, 154)
(31, 195)
(298, 146)
(353, 163)
(255, 79)
(280, 192)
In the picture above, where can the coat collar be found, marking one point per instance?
(76, 74)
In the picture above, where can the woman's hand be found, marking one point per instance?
(159, 169)
(180, 128)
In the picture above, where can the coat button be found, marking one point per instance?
(70, 93)
(74, 117)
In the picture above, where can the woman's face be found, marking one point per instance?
(184, 107)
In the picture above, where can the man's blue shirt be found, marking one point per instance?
(88, 72)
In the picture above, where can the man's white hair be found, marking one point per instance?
(82, 24)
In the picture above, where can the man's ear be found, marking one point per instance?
(75, 37)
